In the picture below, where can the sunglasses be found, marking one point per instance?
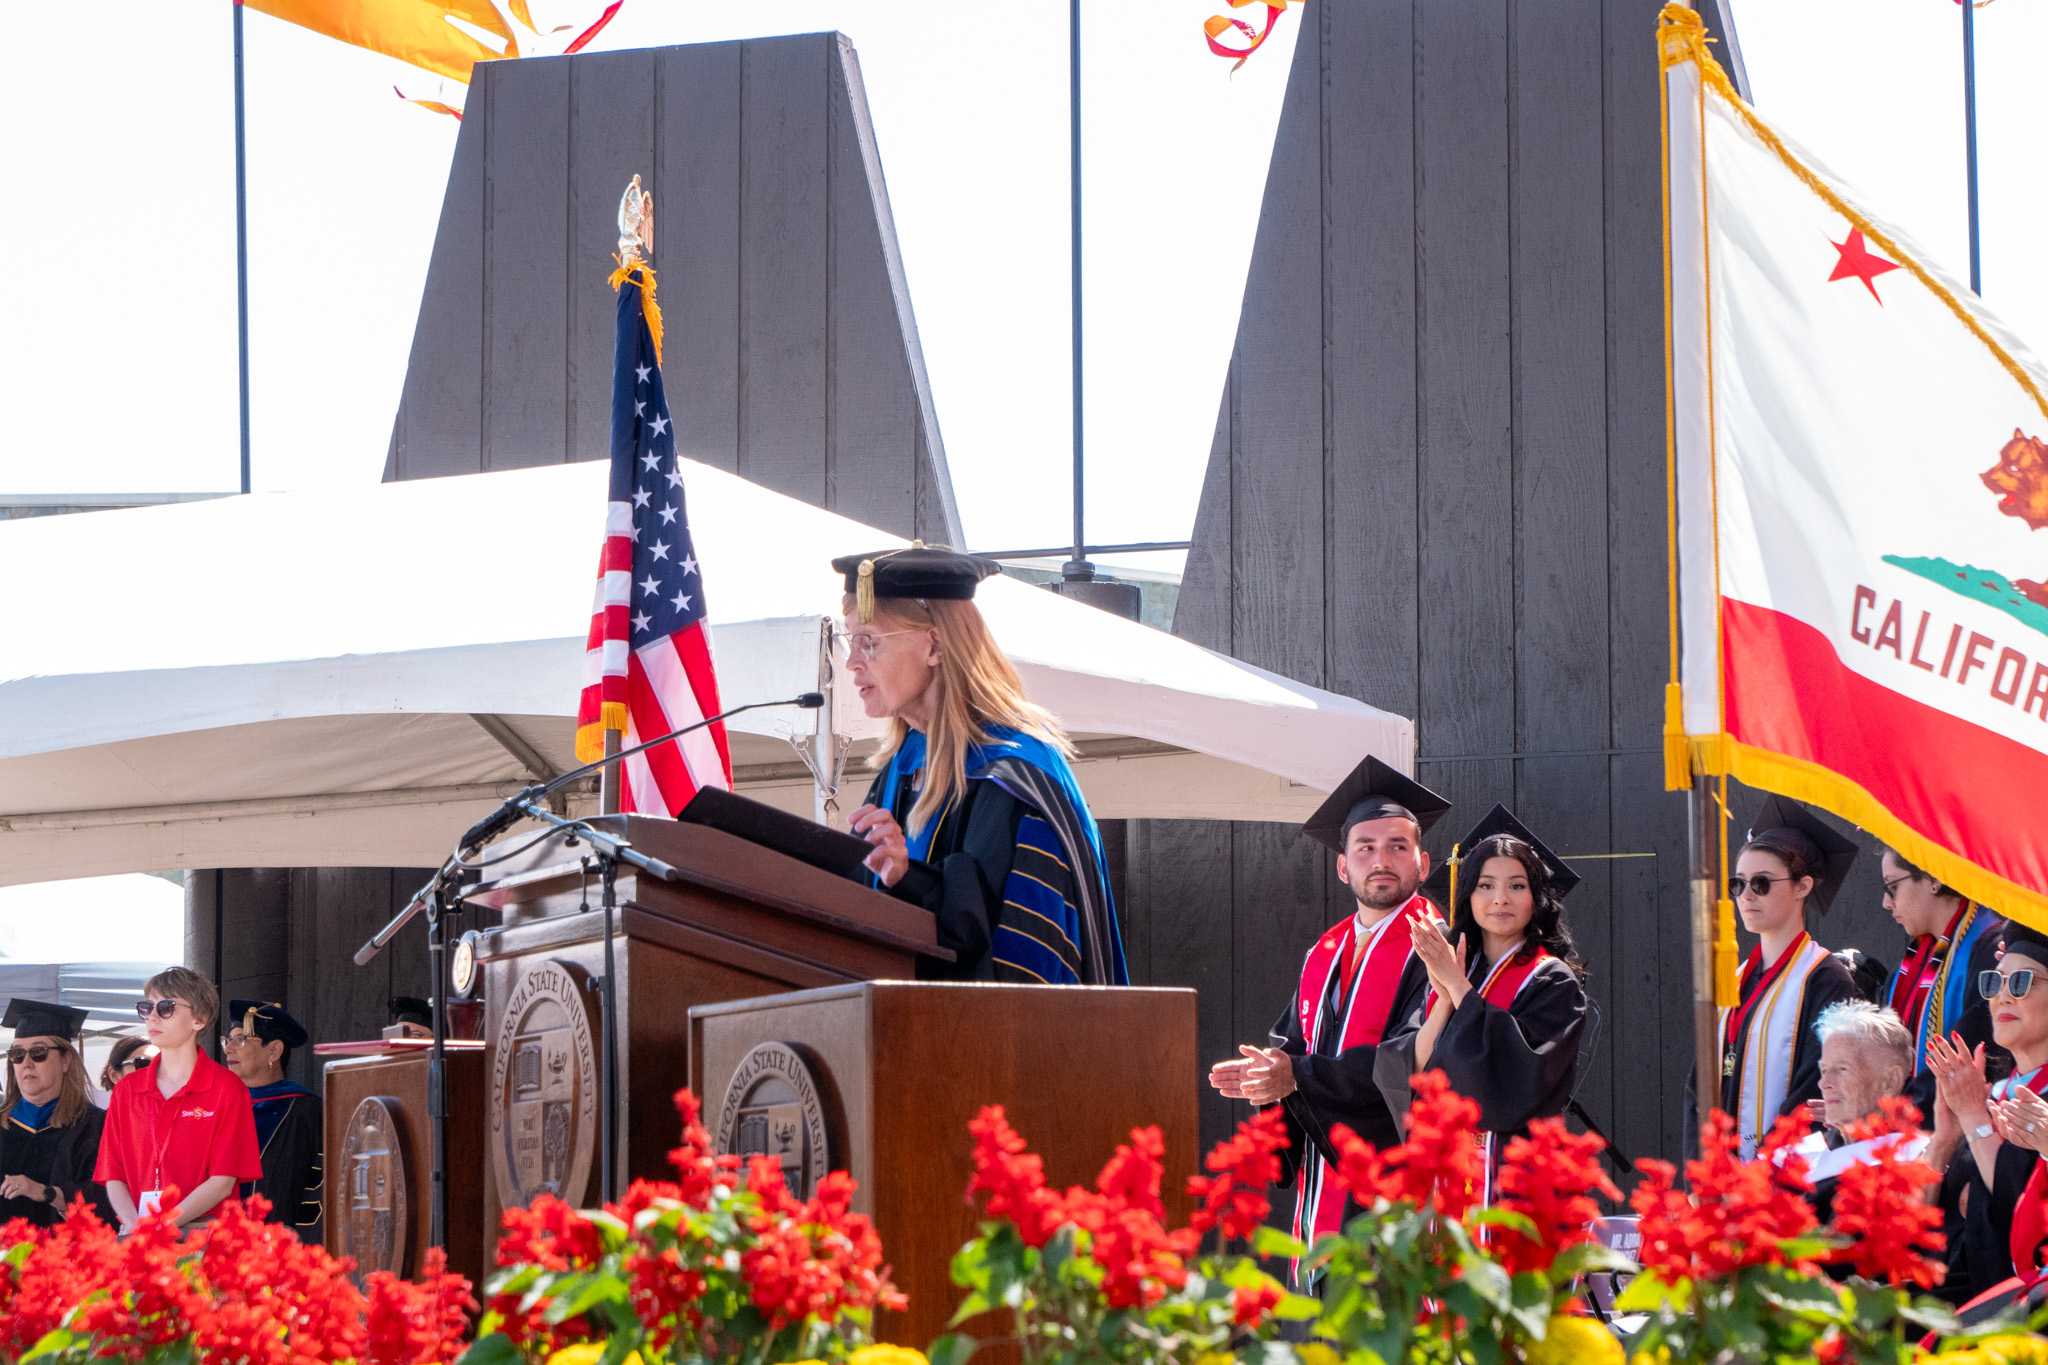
(38, 1054)
(163, 1009)
(1757, 884)
(2014, 983)
(131, 1064)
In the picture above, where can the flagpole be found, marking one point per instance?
(1700, 812)
(1970, 138)
(1078, 568)
(241, 243)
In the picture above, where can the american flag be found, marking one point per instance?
(647, 665)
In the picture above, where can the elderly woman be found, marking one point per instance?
(49, 1127)
(1985, 1174)
(974, 780)
(1865, 1055)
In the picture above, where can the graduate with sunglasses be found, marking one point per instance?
(49, 1127)
(1986, 1171)
(1506, 1008)
(1770, 1055)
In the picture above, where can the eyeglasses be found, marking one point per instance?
(865, 645)
(163, 1009)
(133, 1063)
(38, 1054)
(1891, 888)
(1757, 884)
(2015, 983)
(235, 1039)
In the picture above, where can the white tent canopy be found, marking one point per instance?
(349, 678)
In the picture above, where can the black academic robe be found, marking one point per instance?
(1975, 1023)
(1517, 1062)
(63, 1157)
(293, 1177)
(1830, 983)
(1977, 1219)
(968, 867)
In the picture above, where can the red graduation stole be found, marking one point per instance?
(1360, 1020)
(1504, 980)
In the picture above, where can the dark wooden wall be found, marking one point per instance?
(792, 354)
(1437, 484)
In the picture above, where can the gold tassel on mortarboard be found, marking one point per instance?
(864, 592)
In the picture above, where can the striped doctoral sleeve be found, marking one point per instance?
(1038, 936)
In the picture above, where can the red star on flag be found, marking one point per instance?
(1856, 261)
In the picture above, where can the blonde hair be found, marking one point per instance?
(974, 687)
(72, 1099)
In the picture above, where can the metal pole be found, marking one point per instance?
(241, 243)
(1706, 1047)
(608, 777)
(437, 1073)
(1078, 567)
(608, 1117)
(1970, 138)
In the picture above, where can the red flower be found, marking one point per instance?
(1243, 1167)
(1550, 1177)
(1880, 1208)
(698, 1166)
(1437, 1168)
(1250, 1303)
(1361, 1169)
(1738, 1211)
(1013, 1179)
(428, 1321)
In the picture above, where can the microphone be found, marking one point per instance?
(809, 701)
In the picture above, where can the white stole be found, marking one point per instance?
(1769, 1041)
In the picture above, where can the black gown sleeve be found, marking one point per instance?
(1329, 1090)
(1287, 1036)
(971, 867)
(1517, 1063)
(292, 1174)
(81, 1152)
(1830, 984)
(1978, 1219)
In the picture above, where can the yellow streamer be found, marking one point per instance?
(642, 274)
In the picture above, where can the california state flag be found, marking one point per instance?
(1860, 480)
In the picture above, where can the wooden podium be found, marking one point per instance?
(743, 921)
(881, 1078)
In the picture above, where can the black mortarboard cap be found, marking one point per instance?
(917, 570)
(412, 1009)
(2024, 938)
(1373, 791)
(1831, 854)
(41, 1019)
(266, 1020)
(1499, 820)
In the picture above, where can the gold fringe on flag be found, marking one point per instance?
(642, 274)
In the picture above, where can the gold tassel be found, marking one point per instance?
(1724, 954)
(864, 591)
(1677, 753)
(642, 274)
(1452, 908)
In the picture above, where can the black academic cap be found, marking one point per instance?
(1373, 791)
(41, 1019)
(2024, 938)
(1830, 855)
(266, 1020)
(1499, 820)
(411, 1009)
(918, 570)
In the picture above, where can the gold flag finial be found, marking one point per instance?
(636, 225)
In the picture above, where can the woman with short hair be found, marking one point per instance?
(974, 780)
(49, 1126)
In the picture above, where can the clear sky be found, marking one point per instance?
(119, 233)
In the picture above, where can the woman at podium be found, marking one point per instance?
(974, 780)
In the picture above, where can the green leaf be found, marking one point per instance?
(1647, 1293)
(1590, 1258)
(974, 1305)
(1297, 1308)
(54, 1342)
(1529, 1295)
(579, 1294)
(1812, 1297)
(954, 1348)
(618, 1346)
(1933, 1315)
(1489, 1280)
(1058, 1250)
(1271, 1241)
(1808, 1248)
(608, 1223)
(494, 1349)
(1507, 1218)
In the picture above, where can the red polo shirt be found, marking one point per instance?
(206, 1129)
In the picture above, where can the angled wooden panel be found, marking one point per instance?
(1368, 237)
(871, 448)
(783, 285)
(611, 139)
(526, 257)
(697, 241)
(1467, 693)
(439, 428)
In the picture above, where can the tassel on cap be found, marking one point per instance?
(864, 592)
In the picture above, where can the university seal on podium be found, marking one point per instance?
(375, 1227)
(773, 1107)
(543, 1089)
